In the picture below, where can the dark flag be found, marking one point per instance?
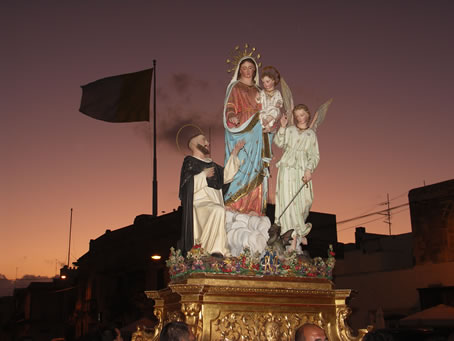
(123, 98)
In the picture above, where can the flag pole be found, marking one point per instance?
(70, 229)
(155, 181)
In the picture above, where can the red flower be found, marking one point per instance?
(332, 253)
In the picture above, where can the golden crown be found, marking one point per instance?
(239, 53)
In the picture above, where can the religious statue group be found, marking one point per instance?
(224, 206)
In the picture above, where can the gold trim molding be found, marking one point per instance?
(251, 308)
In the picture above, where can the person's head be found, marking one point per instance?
(270, 77)
(199, 144)
(176, 331)
(301, 114)
(247, 70)
(310, 332)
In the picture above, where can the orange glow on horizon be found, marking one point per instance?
(388, 130)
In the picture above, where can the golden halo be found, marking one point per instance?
(179, 131)
(238, 53)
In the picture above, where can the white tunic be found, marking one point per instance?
(209, 211)
(300, 153)
(271, 106)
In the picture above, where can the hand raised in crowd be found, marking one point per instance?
(209, 172)
(284, 121)
(240, 144)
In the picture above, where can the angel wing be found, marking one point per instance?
(288, 100)
(320, 115)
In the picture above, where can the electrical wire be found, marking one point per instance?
(369, 221)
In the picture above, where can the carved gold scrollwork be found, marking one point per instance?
(158, 327)
(144, 334)
(193, 317)
(173, 316)
(343, 330)
(230, 328)
(258, 326)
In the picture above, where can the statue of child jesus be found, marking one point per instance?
(270, 97)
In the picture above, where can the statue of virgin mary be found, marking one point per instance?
(248, 191)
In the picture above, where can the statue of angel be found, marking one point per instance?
(294, 190)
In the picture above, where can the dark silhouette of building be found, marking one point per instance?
(7, 320)
(432, 222)
(44, 310)
(104, 290)
(118, 268)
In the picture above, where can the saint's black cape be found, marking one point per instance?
(193, 166)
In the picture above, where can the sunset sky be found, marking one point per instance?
(387, 64)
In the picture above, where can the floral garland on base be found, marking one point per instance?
(267, 264)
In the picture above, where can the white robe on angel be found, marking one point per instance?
(300, 153)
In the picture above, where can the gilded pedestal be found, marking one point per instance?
(234, 307)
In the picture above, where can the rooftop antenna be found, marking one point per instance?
(387, 213)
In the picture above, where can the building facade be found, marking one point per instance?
(401, 274)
